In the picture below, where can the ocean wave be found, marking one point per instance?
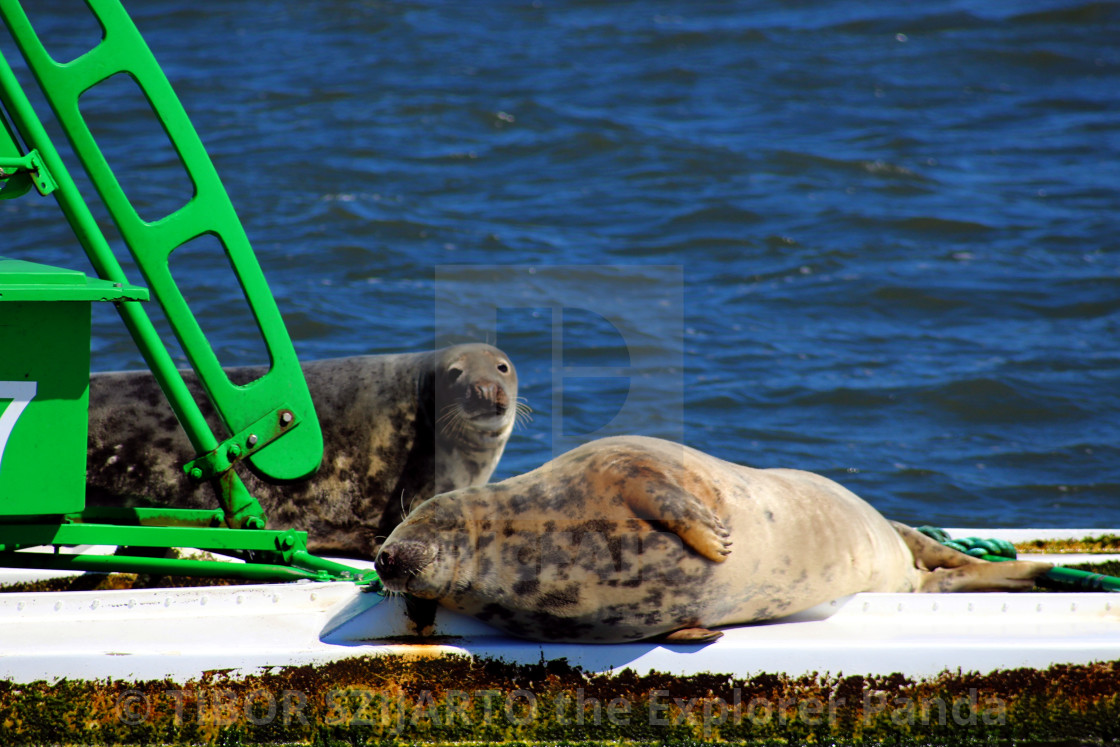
(989, 400)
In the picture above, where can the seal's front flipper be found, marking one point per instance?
(690, 635)
(1010, 575)
(682, 513)
(421, 615)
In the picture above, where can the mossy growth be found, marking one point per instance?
(455, 700)
(1107, 567)
(1104, 543)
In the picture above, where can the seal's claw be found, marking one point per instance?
(706, 543)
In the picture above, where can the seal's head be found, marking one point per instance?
(574, 550)
(432, 554)
(475, 395)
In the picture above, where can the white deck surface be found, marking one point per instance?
(181, 633)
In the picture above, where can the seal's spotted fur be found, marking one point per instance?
(397, 429)
(630, 538)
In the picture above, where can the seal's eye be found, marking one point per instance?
(454, 373)
(503, 367)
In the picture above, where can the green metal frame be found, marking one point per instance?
(273, 555)
(271, 421)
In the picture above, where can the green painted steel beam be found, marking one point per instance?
(158, 516)
(202, 538)
(304, 559)
(160, 566)
(168, 527)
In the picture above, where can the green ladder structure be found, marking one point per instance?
(44, 384)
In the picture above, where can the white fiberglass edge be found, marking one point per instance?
(182, 633)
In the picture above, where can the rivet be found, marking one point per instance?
(252, 440)
(286, 417)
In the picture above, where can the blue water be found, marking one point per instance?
(874, 240)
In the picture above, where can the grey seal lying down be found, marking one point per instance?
(630, 538)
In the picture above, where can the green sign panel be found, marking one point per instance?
(44, 384)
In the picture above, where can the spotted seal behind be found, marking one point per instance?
(630, 538)
(397, 429)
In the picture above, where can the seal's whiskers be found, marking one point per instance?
(523, 413)
(452, 421)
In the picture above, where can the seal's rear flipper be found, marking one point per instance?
(929, 553)
(1010, 575)
(948, 570)
(690, 635)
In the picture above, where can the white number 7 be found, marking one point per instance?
(20, 393)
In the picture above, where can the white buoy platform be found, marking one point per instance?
(182, 633)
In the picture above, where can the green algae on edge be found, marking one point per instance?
(1105, 543)
(457, 700)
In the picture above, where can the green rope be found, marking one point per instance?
(995, 550)
(973, 546)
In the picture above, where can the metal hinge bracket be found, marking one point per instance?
(258, 435)
(32, 165)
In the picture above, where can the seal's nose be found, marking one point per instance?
(387, 564)
(399, 560)
(488, 396)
